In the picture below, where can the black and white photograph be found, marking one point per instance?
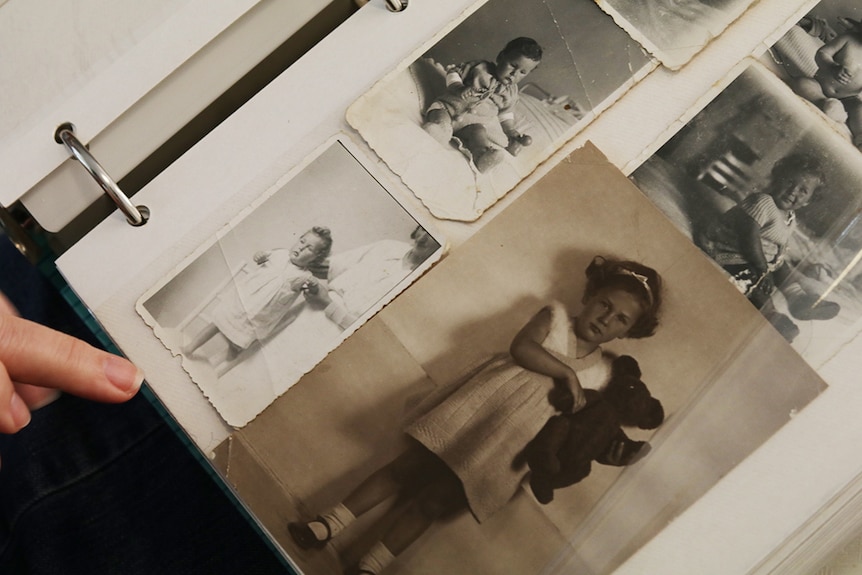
(765, 187)
(287, 281)
(544, 400)
(465, 119)
(820, 58)
(674, 30)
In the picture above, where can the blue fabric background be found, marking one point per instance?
(90, 488)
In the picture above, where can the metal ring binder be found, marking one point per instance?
(65, 134)
(396, 5)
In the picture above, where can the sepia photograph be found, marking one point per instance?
(466, 119)
(287, 281)
(770, 192)
(544, 400)
(820, 58)
(674, 30)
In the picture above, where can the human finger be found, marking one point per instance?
(37, 355)
(36, 397)
(14, 413)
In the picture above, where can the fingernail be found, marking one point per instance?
(123, 374)
(19, 411)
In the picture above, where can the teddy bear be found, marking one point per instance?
(562, 452)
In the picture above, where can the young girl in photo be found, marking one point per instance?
(466, 452)
(750, 242)
(263, 297)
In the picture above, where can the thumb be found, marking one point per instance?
(37, 355)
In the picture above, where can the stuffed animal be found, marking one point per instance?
(562, 453)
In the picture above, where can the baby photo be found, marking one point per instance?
(674, 30)
(465, 119)
(558, 388)
(287, 281)
(765, 187)
(820, 58)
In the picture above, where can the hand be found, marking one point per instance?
(764, 286)
(477, 84)
(481, 80)
(261, 257)
(310, 287)
(37, 363)
(466, 92)
(567, 395)
(844, 75)
(561, 398)
(316, 292)
(300, 284)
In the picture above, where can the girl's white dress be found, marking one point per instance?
(261, 301)
(481, 429)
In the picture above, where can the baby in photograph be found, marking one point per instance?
(836, 87)
(263, 298)
(478, 106)
(750, 242)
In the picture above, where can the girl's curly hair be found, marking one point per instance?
(637, 279)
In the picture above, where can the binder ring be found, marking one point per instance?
(135, 215)
(396, 5)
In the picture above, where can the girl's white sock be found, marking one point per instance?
(377, 559)
(337, 519)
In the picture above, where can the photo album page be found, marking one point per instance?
(594, 353)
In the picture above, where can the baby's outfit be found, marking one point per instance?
(261, 300)
(489, 108)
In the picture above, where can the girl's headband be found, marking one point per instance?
(642, 279)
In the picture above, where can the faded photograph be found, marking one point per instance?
(283, 285)
(674, 30)
(770, 192)
(537, 403)
(820, 58)
(475, 113)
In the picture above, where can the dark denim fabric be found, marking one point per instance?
(109, 489)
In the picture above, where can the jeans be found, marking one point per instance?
(91, 488)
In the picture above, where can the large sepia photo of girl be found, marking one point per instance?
(408, 449)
